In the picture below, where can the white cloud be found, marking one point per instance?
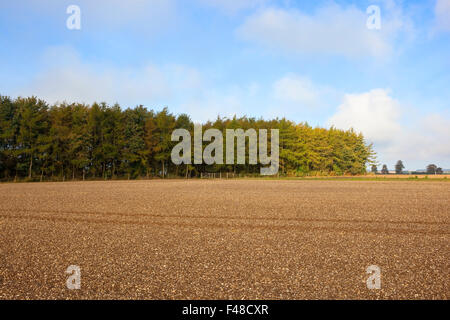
(298, 98)
(184, 77)
(436, 133)
(442, 13)
(233, 6)
(297, 89)
(240, 100)
(331, 30)
(374, 113)
(65, 77)
(397, 133)
(211, 103)
(425, 139)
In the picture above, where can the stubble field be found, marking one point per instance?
(225, 239)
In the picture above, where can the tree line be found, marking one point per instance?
(39, 141)
(399, 166)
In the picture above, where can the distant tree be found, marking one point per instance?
(439, 171)
(374, 169)
(385, 170)
(431, 169)
(399, 167)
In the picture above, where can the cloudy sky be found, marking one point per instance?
(314, 61)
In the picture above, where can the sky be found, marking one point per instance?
(324, 62)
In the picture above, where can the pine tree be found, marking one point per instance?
(165, 124)
(32, 127)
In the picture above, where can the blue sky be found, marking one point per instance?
(313, 61)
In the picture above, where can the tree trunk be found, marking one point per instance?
(83, 174)
(114, 169)
(187, 170)
(168, 168)
(31, 166)
(162, 169)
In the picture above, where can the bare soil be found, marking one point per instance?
(225, 239)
